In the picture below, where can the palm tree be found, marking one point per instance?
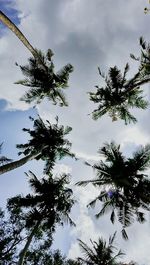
(50, 204)
(44, 82)
(124, 188)
(101, 252)
(119, 95)
(47, 142)
(39, 73)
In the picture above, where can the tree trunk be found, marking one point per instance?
(5, 20)
(17, 163)
(29, 240)
(8, 23)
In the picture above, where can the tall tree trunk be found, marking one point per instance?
(29, 240)
(18, 163)
(5, 20)
(8, 23)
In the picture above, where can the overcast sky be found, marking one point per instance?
(87, 34)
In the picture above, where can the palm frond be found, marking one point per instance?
(124, 234)
(43, 81)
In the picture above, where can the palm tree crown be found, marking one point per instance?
(47, 142)
(124, 188)
(40, 76)
(50, 204)
(101, 252)
(43, 81)
(118, 96)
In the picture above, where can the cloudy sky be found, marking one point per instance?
(86, 34)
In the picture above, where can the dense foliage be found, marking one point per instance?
(42, 81)
(124, 187)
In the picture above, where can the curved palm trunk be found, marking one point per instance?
(17, 163)
(29, 240)
(5, 20)
(8, 23)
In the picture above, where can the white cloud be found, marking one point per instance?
(85, 227)
(134, 135)
(62, 168)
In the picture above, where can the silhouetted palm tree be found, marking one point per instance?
(40, 76)
(101, 253)
(50, 204)
(47, 142)
(124, 188)
(119, 95)
(44, 82)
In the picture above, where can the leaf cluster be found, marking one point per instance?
(118, 96)
(43, 81)
(124, 188)
(50, 203)
(101, 253)
(47, 142)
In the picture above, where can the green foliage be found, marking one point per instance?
(48, 140)
(118, 96)
(43, 81)
(101, 253)
(50, 202)
(124, 188)
(11, 227)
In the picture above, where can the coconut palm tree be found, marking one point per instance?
(119, 95)
(101, 253)
(124, 188)
(48, 205)
(40, 76)
(47, 142)
(44, 82)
